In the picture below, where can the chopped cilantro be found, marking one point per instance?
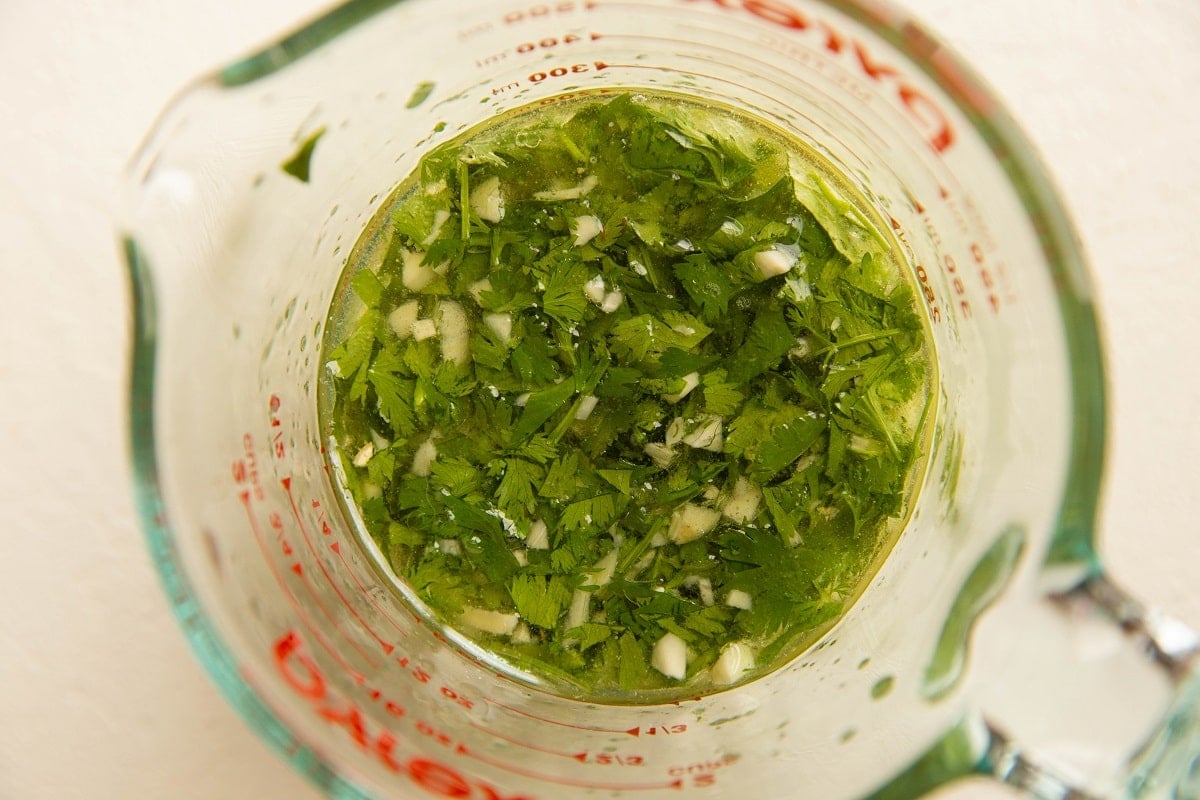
(634, 370)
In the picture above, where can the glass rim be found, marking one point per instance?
(1072, 543)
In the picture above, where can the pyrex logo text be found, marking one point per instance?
(306, 679)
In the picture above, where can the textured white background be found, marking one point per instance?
(100, 696)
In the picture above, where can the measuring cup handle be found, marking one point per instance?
(1147, 690)
(1165, 764)
(1169, 643)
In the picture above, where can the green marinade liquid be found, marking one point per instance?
(632, 391)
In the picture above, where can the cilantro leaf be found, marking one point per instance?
(769, 341)
(487, 550)
(619, 479)
(593, 513)
(416, 220)
(532, 360)
(353, 355)
(539, 449)
(439, 585)
(563, 298)
(787, 509)
(709, 622)
(633, 667)
(516, 491)
(647, 336)
(710, 286)
(720, 397)
(539, 600)
(457, 476)
(772, 438)
(561, 481)
(591, 634)
(540, 407)
(395, 397)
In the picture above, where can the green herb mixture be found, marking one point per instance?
(631, 391)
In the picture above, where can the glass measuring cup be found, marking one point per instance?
(235, 261)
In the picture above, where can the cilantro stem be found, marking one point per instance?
(564, 424)
(835, 199)
(571, 147)
(866, 338)
(464, 199)
(872, 402)
(637, 551)
(914, 452)
(497, 249)
(850, 212)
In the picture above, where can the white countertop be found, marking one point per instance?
(99, 694)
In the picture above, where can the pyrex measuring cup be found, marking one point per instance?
(239, 214)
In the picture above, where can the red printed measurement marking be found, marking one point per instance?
(245, 469)
(390, 706)
(986, 276)
(455, 697)
(336, 547)
(298, 568)
(542, 10)
(326, 530)
(287, 487)
(358, 677)
(433, 775)
(278, 449)
(635, 731)
(935, 311)
(418, 673)
(545, 43)
(580, 757)
(441, 737)
(610, 759)
(421, 675)
(666, 730)
(960, 288)
(703, 767)
(573, 69)
(564, 781)
(551, 42)
(276, 524)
